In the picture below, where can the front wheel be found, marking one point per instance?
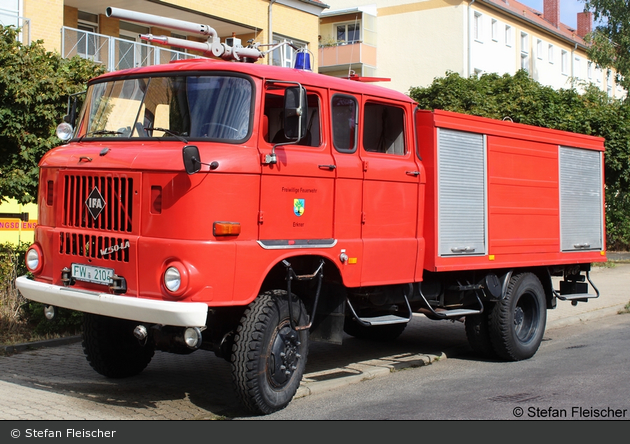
(111, 348)
(517, 322)
(268, 356)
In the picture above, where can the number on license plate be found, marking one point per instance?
(89, 273)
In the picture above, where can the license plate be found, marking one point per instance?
(89, 273)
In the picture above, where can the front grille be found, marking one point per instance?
(117, 192)
(91, 246)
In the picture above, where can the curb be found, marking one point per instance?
(586, 316)
(10, 349)
(332, 379)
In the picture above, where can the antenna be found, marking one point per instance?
(352, 50)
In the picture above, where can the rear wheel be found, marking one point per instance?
(111, 348)
(268, 356)
(517, 322)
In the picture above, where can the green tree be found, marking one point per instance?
(34, 87)
(610, 41)
(523, 100)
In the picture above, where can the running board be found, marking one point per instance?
(455, 313)
(578, 297)
(381, 320)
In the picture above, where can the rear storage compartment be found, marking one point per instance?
(501, 194)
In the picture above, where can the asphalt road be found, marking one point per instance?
(579, 373)
(57, 383)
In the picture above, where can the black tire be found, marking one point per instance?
(387, 332)
(111, 348)
(517, 322)
(268, 356)
(478, 334)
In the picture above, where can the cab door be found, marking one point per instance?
(391, 181)
(297, 189)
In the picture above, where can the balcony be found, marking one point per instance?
(343, 56)
(115, 53)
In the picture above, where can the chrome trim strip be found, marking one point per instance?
(298, 244)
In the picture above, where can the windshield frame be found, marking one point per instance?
(80, 130)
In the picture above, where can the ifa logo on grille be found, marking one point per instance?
(95, 203)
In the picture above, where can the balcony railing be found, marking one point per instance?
(115, 53)
(24, 24)
(345, 54)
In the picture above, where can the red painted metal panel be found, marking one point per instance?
(522, 192)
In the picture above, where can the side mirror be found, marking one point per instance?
(295, 112)
(192, 162)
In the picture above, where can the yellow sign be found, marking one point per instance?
(17, 222)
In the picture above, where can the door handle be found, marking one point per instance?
(412, 173)
(327, 167)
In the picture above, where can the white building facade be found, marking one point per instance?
(418, 41)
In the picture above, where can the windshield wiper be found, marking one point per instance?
(167, 131)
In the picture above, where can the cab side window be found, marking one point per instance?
(274, 119)
(344, 112)
(383, 131)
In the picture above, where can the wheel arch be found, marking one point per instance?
(275, 277)
(543, 275)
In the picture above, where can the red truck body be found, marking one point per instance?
(236, 207)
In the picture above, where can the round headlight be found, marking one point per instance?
(172, 279)
(32, 259)
(64, 131)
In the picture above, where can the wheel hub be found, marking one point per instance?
(284, 358)
(519, 315)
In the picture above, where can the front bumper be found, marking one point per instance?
(180, 314)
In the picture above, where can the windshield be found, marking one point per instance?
(191, 107)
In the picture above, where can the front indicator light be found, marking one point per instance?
(226, 228)
(172, 279)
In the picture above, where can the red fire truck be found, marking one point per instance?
(248, 209)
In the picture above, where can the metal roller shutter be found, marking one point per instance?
(461, 193)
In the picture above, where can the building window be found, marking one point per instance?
(285, 54)
(524, 51)
(577, 68)
(348, 32)
(550, 53)
(477, 27)
(87, 40)
(10, 13)
(609, 83)
(495, 30)
(564, 62)
(508, 35)
(589, 70)
(525, 62)
(539, 49)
